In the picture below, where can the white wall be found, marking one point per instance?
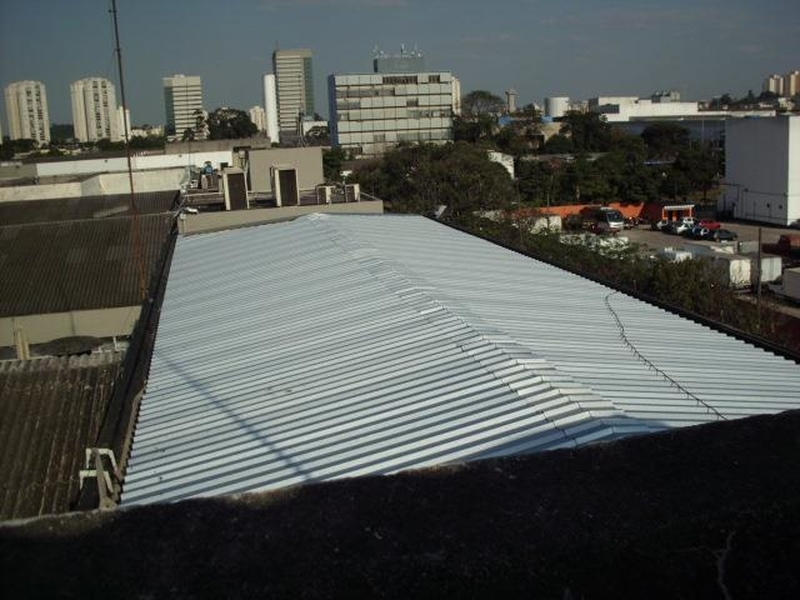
(793, 198)
(762, 170)
(155, 161)
(106, 183)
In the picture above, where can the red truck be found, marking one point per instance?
(788, 245)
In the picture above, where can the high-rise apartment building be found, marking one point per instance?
(94, 110)
(774, 84)
(370, 113)
(295, 87)
(791, 84)
(183, 102)
(26, 108)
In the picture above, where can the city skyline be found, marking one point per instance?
(575, 48)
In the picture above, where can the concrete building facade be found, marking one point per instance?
(456, 96)
(371, 113)
(258, 117)
(94, 110)
(26, 109)
(620, 109)
(295, 87)
(762, 169)
(183, 97)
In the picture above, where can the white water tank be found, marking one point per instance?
(556, 106)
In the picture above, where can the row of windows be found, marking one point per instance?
(373, 79)
(377, 114)
(400, 90)
(388, 103)
(394, 137)
(393, 125)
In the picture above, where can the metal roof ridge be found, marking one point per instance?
(406, 284)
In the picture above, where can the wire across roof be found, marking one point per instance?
(336, 346)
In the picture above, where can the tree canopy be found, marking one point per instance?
(420, 178)
(481, 103)
(229, 124)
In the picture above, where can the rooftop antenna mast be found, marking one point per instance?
(137, 226)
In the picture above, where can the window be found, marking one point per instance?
(399, 79)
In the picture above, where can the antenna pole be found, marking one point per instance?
(137, 226)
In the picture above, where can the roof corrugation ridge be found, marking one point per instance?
(406, 284)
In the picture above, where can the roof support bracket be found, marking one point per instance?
(106, 472)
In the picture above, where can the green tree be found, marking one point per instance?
(12, 147)
(558, 144)
(665, 140)
(480, 103)
(701, 166)
(589, 131)
(60, 133)
(478, 120)
(332, 161)
(421, 177)
(230, 124)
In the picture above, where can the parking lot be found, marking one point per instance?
(746, 233)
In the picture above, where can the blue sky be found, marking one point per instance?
(576, 48)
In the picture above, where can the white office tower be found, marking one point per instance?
(371, 113)
(258, 117)
(271, 108)
(94, 110)
(26, 108)
(295, 87)
(183, 102)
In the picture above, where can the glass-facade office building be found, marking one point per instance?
(373, 112)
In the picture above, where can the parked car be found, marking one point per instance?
(659, 225)
(682, 227)
(710, 224)
(699, 232)
(724, 235)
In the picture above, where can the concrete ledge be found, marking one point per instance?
(217, 221)
(104, 322)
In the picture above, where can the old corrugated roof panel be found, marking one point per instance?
(85, 207)
(51, 410)
(336, 346)
(76, 265)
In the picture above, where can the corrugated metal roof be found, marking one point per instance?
(76, 265)
(51, 410)
(337, 346)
